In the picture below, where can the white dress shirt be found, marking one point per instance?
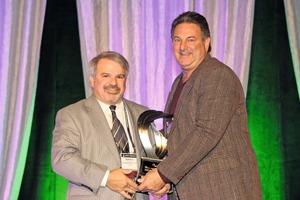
(123, 117)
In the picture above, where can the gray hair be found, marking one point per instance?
(110, 55)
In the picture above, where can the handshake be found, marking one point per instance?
(151, 184)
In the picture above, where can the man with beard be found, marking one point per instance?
(84, 150)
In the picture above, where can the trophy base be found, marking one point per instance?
(147, 164)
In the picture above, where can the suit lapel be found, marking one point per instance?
(132, 118)
(187, 87)
(172, 92)
(101, 126)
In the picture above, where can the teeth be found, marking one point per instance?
(184, 53)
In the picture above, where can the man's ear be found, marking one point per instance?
(207, 42)
(92, 81)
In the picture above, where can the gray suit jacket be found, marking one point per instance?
(210, 153)
(83, 147)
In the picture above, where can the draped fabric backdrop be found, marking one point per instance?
(292, 10)
(140, 30)
(21, 25)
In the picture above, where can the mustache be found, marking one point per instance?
(184, 51)
(112, 87)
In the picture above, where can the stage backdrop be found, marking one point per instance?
(21, 26)
(272, 100)
(141, 32)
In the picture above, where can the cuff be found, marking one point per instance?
(165, 179)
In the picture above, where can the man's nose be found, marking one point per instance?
(183, 45)
(113, 81)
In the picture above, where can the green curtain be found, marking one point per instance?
(272, 101)
(60, 83)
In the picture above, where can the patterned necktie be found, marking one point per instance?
(118, 132)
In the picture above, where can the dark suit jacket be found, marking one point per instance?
(83, 147)
(210, 153)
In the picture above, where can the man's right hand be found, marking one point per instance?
(118, 181)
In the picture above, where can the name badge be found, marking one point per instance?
(128, 161)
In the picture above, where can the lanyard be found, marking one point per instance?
(127, 125)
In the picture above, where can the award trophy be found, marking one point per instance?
(153, 141)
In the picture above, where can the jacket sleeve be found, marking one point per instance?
(200, 121)
(66, 157)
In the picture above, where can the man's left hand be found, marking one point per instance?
(151, 182)
(161, 192)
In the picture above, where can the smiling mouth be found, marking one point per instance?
(113, 91)
(184, 53)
